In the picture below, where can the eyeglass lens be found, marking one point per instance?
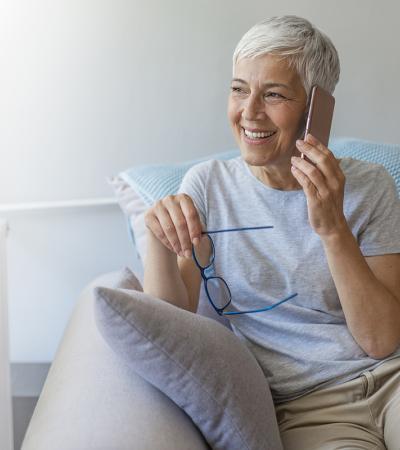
(204, 252)
(218, 292)
(217, 289)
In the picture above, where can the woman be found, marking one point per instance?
(331, 354)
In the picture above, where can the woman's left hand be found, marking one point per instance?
(323, 184)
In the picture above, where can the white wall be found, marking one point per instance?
(89, 88)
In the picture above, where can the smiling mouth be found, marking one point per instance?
(257, 138)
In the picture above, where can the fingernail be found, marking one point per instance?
(188, 253)
(299, 142)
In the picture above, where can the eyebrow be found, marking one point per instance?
(239, 80)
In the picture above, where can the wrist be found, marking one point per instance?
(336, 239)
(153, 244)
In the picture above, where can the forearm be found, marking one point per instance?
(372, 313)
(162, 278)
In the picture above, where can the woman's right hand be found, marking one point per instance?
(175, 221)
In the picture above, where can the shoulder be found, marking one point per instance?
(370, 194)
(355, 168)
(198, 176)
(213, 167)
(364, 176)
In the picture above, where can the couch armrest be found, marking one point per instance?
(91, 400)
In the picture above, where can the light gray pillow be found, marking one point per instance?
(197, 362)
(126, 279)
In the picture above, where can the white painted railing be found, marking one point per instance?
(43, 206)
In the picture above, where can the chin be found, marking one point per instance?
(256, 157)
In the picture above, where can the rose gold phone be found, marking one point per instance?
(320, 115)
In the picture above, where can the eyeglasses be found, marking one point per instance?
(217, 290)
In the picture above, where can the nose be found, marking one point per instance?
(253, 108)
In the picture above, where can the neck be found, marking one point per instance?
(277, 175)
(280, 180)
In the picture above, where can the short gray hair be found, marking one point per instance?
(306, 48)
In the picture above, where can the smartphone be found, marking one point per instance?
(320, 113)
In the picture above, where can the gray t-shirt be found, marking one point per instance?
(304, 343)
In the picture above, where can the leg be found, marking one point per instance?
(334, 436)
(385, 402)
(392, 428)
(337, 417)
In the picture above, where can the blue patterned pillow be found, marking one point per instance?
(153, 182)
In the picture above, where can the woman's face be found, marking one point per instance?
(266, 95)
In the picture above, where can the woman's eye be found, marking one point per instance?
(274, 95)
(269, 95)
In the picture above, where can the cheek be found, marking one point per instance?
(287, 121)
(280, 116)
(233, 113)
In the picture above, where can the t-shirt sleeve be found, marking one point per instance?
(193, 184)
(382, 232)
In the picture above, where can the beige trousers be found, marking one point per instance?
(363, 413)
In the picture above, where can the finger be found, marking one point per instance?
(168, 226)
(181, 226)
(192, 218)
(319, 155)
(326, 162)
(335, 162)
(155, 227)
(311, 139)
(309, 188)
(312, 173)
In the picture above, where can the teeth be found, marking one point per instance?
(252, 135)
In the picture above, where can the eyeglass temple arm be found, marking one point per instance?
(236, 229)
(231, 313)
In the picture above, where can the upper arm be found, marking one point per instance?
(191, 278)
(386, 269)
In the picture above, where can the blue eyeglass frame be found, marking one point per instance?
(205, 278)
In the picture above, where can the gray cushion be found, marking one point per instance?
(126, 279)
(197, 362)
